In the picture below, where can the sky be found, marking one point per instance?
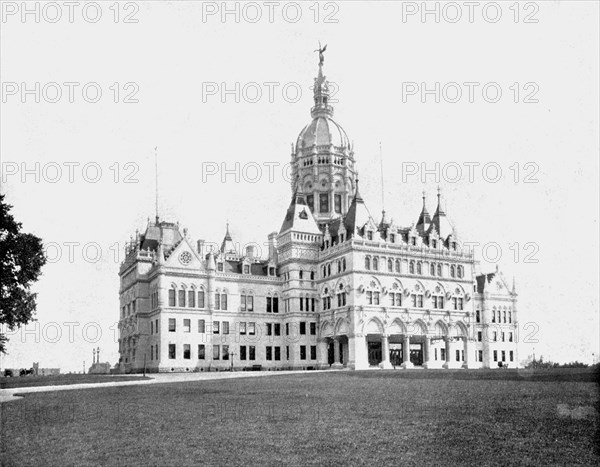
(511, 92)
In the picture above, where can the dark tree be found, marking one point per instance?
(22, 259)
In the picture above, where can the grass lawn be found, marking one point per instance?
(29, 381)
(419, 417)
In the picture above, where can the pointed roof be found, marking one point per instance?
(358, 215)
(227, 246)
(299, 218)
(440, 221)
(424, 219)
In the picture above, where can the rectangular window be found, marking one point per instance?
(251, 353)
(313, 352)
(479, 336)
(480, 355)
(223, 301)
(275, 304)
(242, 352)
(216, 352)
(217, 301)
(375, 298)
(302, 328)
(442, 354)
(323, 202)
(151, 352)
(201, 326)
(156, 326)
(225, 327)
(277, 353)
(477, 316)
(181, 297)
(287, 329)
(503, 336)
(495, 336)
(201, 352)
(216, 327)
(200, 299)
(251, 329)
(458, 355)
(313, 329)
(171, 297)
(511, 355)
(338, 203)
(186, 325)
(242, 329)
(269, 329)
(186, 351)
(510, 336)
(495, 355)
(503, 355)
(269, 352)
(171, 324)
(242, 303)
(301, 304)
(277, 329)
(269, 304)
(302, 352)
(287, 352)
(191, 299)
(225, 352)
(171, 351)
(250, 302)
(151, 327)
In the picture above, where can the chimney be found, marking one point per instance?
(273, 246)
(200, 247)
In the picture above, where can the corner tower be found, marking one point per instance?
(323, 159)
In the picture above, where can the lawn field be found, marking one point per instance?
(418, 417)
(30, 381)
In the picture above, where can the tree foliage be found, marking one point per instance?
(22, 259)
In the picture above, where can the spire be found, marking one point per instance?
(440, 221)
(321, 90)
(424, 219)
(227, 246)
(358, 214)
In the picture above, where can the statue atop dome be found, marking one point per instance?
(321, 56)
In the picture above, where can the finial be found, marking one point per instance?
(321, 50)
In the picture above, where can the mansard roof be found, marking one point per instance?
(163, 232)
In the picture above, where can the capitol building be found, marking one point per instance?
(337, 289)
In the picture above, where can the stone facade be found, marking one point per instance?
(337, 289)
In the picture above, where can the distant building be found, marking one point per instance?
(337, 288)
(44, 371)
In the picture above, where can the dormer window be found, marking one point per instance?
(369, 235)
(413, 241)
(271, 271)
(392, 238)
(220, 267)
(246, 269)
(434, 243)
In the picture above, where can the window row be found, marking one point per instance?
(503, 355)
(129, 309)
(244, 328)
(340, 267)
(414, 267)
(503, 336)
(499, 316)
(222, 352)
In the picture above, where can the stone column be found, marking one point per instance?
(357, 352)
(322, 356)
(428, 362)
(467, 351)
(385, 353)
(447, 346)
(336, 353)
(406, 363)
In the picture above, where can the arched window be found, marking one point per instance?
(326, 299)
(367, 262)
(504, 316)
(373, 294)
(432, 269)
(390, 265)
(376, 263)
(434, 243)
(493, 315)
(419, 267)
(452, 271)
(460, 272)
(329, 269)
(438, 298)
(341, 296)
(343, 264)
(439, 269)
(411, 267)
(301, 274)
(509, 316)
(397, 265)
(312, 275)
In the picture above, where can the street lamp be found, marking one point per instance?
(231, 354)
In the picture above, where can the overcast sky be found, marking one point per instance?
(542, 210)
